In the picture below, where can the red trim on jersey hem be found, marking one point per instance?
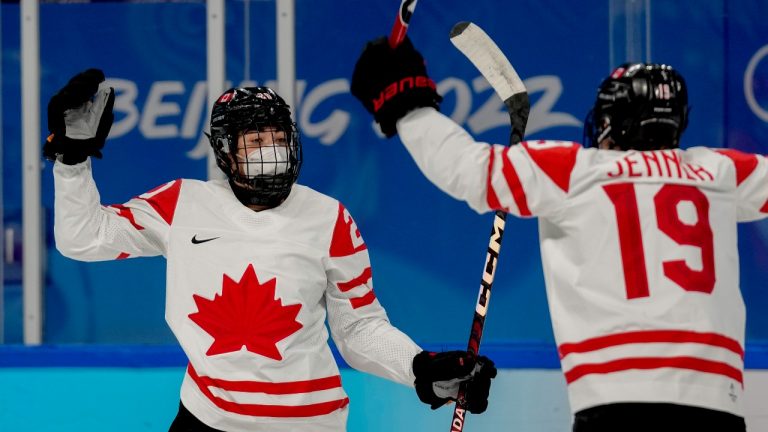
(123, 255)
(651, 336)
(515, 186)
(274, 388)
(646, 363)
(764, 208)
(260, 410)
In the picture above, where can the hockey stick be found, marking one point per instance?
(401, 22)
(480, 49)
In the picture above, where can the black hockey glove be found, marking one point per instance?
(439, 375)
(79, 118)
(391, 82)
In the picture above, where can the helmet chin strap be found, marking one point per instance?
(250, 197)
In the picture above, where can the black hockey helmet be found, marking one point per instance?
(246, 109)
(641, 106)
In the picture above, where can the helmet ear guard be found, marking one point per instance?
(639, 106)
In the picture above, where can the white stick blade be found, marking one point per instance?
(483, 52)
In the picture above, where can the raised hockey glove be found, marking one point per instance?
(391, 82)
(79, 118)
(439, 375)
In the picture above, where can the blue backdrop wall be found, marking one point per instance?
(427, 250)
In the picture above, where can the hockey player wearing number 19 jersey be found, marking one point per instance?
(255, 266)
(638, 241)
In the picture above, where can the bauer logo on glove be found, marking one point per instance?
(390, 82)
(402, 86)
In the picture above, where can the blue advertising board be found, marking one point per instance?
(427, 250)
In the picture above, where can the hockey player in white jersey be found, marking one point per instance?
(638, 238)
(256, 264)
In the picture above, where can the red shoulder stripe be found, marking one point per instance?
(164, 199)
(346, 238)
(555, 159)
(745, 163)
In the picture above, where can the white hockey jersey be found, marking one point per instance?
(639, 251)
(247, 295)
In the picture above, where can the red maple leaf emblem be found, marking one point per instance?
(246, 314)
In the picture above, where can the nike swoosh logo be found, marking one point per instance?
(196, 241)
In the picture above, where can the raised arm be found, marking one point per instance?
(79, 119)
(529, 179)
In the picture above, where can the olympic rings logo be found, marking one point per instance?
(749, 93)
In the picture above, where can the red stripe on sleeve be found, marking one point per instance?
(127, 213)
(492, 198)
(515, 186)
(365, 300)
(745, 163)
(764, 208)
(691, 363)
(356, 282)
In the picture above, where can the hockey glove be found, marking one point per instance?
(391, 82)
(439, 375)
(79, 118)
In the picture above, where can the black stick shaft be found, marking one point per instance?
(481, 309)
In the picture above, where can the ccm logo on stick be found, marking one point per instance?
(398, 86)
